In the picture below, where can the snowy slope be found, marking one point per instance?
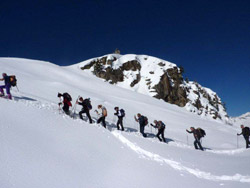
(244, 119)
(145, 75)
(42, 148)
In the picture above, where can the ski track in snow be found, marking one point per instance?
(220, 152)
(178, 166)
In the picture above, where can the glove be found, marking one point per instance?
(59, 103)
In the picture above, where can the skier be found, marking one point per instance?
(161, 128)
(120, 114)
(246, 133)
(86, 107)
(102, 114)
(6, 85)
(66, 102)
(197, 137)
(142, 122)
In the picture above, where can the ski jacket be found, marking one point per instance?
(66, 101)
(84, 105)
(6, 80)
(160, 125)
(245, 131)
(102, 112)
(118, 114)
(141, 121)
(196, 133)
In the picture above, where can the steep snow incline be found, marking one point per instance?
(41, 148)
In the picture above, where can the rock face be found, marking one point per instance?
(157, 78)
(169, 88)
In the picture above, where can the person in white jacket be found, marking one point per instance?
(102, 114)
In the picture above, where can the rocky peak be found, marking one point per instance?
(157, 78)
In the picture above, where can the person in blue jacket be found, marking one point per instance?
(142, 122)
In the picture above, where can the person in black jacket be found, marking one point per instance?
(85, 108)
(120, 116)
(142, 123)
(161, 128)
(246, 133)
(66, 102)
(197, 137)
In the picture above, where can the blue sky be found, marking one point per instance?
(210, 39)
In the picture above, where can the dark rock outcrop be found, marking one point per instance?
(171, 86)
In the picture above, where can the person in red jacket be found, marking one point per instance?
(66, 102)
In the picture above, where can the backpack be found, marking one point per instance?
(122, 112)
(67, 96)
(13, 80)
(202, 132)
(145, 119)
(162, 125)
(247, 131)
(88, 103)
(104, 111)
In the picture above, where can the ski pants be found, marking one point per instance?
(102, 119)
(120, 122)
(198, 142)
(142, 126)
(247, 141)
(66, 108)
(161, 132)
(7, 87)
(87, 113)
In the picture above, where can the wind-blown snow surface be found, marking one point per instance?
(42, 148)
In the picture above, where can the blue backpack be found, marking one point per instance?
(88, 103)
(122, 112)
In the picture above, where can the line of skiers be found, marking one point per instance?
(101, 111)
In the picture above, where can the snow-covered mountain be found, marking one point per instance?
(241, 120)
(157, 78)
(42, 148)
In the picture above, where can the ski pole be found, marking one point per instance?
(187, 139)
(113, 121)
(237, 142)
(59, 108)
(17, 88)
(97, 118)
(74, 108)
